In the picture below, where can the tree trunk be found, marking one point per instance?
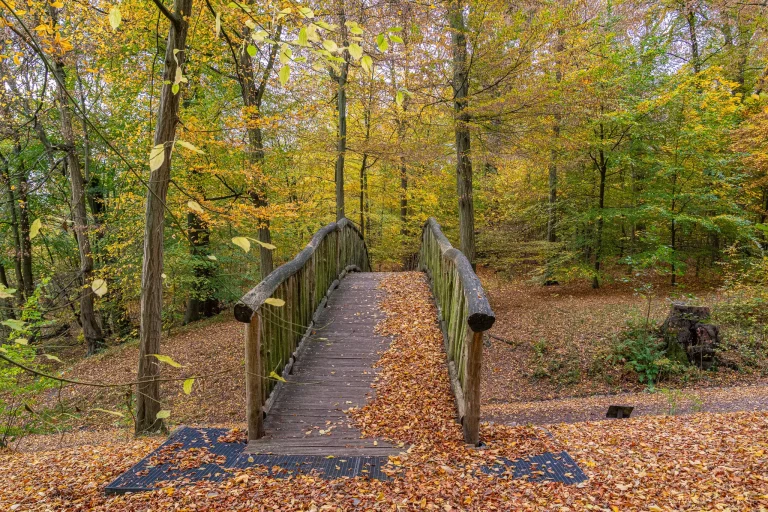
(461, 129)
(20, 297)
(148, 400)
(363, 186)
(602, 165)
(695, 58)
(24, 226)
(7, 303)
(253, 94)
(553, 154)
(91, 329)
(341, 107)
(200, 303)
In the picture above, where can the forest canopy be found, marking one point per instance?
(179, 152)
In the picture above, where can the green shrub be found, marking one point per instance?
(642, 351)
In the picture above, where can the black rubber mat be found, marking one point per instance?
(555, 467)
(227, 458)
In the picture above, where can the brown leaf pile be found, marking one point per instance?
(414, 402)
(234, 435)
(185, 459)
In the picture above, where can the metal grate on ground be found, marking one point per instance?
(145, 476)
(553, 467)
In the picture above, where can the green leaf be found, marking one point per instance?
(188, 385)
(16, 325)
(156, 157)
(189, 146)
(113, 413)
(381, 43)
(164, 414)
(115, 17)
(242, 242)
(367, 63)
(166, 360)
(303, 37)
(272, 301)
(355, 51)
(330, 45)
(396, 39)
(259, 36)
(284, 74)
(395, 29)
(99, 287)
(52, 358)
(273, 375)
(251, 50)
(307, 12)
(400, 98)
(354, 27)
(21, 341)
(175, 89)
(34, 229)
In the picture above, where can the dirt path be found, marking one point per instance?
(593, 408)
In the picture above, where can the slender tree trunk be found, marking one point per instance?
(148, 400)
(11, 198)
(692, 32)
(461, 129)
(93, 191)
(253, 94)
(673, 229)
(26, 241)
(554, 152)
(199, 303)
(363, 182)
(7, 303)
(603, 168)
(91, 328)
(341, 106)
(403, 178)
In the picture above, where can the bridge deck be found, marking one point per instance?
(333, 372)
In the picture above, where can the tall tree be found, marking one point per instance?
(91, 329)
(462, 119)
(148, 400)
(340, 75)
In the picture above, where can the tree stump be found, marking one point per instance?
(689, 337)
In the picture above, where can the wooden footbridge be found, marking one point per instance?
(311, 344)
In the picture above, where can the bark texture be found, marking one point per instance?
(148, 400)
(462, 119)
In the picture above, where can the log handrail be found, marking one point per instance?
(273, 333)
(464, 314)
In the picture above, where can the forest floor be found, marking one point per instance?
(550, 359)
(702, 460)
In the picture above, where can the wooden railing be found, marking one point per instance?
(274, 332)
(464, 314)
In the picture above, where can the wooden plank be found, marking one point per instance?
(332, 372)
(253, 378)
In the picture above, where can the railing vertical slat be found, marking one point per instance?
(465, 314)
(273, 333)
(253, 377)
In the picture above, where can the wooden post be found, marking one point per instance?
(253, 378)
(472, 387)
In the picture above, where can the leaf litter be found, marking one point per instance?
(697, 462)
